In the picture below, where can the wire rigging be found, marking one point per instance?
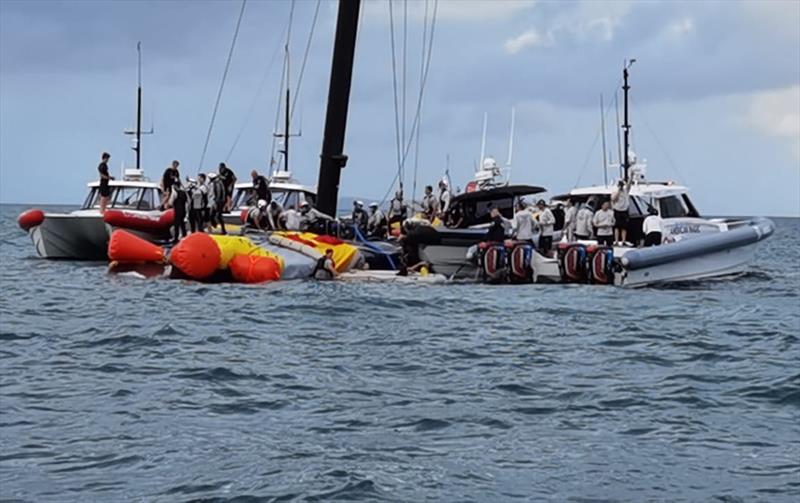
(305, 59)
(594, 143)
(421, 75)
(222, 84)
(284, 79)
(394, 89)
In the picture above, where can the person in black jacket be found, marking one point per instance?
(105, 190)
(497, 231)
(261, 187)
(229, 181)
(219, 197)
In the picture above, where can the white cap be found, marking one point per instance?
(373, 205)
(212, 175)
(304, 204)
(262, 203)
(358, 203)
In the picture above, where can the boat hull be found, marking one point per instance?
(71, 237)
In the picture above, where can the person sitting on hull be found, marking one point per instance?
(522, 223)
(105, 190)
(325, 269)
(377, 223)
(620, 202)
(360, 217)
(261, 187)
(652, 229)
(313, 220)
(603, 220)
(546, 223)
(583, 222)
(275, 216)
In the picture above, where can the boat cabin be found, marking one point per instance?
(285, 190)
(133, 192)
(476, 206)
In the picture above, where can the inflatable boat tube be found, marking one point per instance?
(30, 219)
(139, 221)
(757, 230)
(345, 256)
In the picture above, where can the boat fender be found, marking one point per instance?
(146, 222)
(30, 219)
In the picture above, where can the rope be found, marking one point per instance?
(360, 237)
(594, 144)
(305, 59)
(222, 85)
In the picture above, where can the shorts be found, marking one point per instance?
(620, 219)
(652, 239)
(545, 243)
(105, 191)
(606, 240)
(581, 237)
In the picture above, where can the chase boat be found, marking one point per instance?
(284, 189)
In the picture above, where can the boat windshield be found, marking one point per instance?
(673, 207)
(246, 197)
(130, 198)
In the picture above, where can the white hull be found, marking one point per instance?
(81, 237)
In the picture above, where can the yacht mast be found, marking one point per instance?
(137, 141)
(626, 126)
(332, 158)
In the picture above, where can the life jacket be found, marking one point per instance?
(320, 267)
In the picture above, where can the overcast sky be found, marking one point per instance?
(716, 92)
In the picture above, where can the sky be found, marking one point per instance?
(715, 92)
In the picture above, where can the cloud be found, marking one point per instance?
(776, 113)
(680, 28)
(530, 38)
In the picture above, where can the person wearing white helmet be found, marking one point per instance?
(397, 208)
(360, 217)
(257, 216)
(312, 219)
(275, 215)
(377, 223)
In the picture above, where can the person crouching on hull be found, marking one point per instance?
(257, 217)
(652, 229)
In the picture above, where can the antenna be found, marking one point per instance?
(483, 140)
(626, 127)
(619, 139)
(511, 138)
(603, 127)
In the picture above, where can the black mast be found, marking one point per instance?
(139, 108)
(286, 135)
(332, 158)
(626, 126)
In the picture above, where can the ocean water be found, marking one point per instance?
(118, 389)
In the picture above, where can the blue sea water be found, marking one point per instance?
(119, 389)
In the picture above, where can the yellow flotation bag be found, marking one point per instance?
(313, 245)
(230, 246)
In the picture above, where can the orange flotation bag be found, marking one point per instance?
(124, 247)
(29, 219)
(138, 221)
(254, 269)
(197, 256)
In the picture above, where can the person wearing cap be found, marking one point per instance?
(583, 222)
(444, 199)
(261, 187)
(311, 219)
(652, 228)
(522, 223)
(546, 223)
(275, 216)
(603, 220)
(360, 217)
(430, 204)
(105, 190)
(377, 223)
(397, 208)
(620, 202)
(219, 198)
(570, 215)
(228, 181)
(257, 216)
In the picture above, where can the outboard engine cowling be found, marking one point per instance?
(520, 268)
(572, 262)
(492, 262)
(601, 265)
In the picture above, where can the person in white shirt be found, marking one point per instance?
(603, 220)
(583, 222)
(570, 214)
(292, 218)
(522, 223)
(652, 229)
(620, 202)
(546, 223)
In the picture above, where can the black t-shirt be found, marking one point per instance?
(102, 168)
(261, 186)
(228, 178)
(170, 177)
(497, 232)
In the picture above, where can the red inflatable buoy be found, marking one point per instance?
(243, 216)
(124, 247)
(254, 269)
(138, 221)
(29, 219)
(197, 255)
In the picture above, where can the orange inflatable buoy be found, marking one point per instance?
(254, 269)
(197, 255)
(124, 247)
(29, 219)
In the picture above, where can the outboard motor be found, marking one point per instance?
(601, 265)
(573, 263)
(492, 262)
(520, 268)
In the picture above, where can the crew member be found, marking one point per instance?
(219, 196)
(170, 177)
(397, 208)
(603, 220)
(291, 219)
(325, 268)
(228, 181)
(497, 231)
(196, 204)
(257, 216)
(430, 205)
(522, 222)
(652, 228)
(620, 202)
(570, 214)
(583, 222)
(261, 187)
(546, 223)
(105, 190)
(444, 198)
(275, 216)
(360, 217)
(377, 223)
(312, 219)
(177, 201)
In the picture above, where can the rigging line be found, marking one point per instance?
(250, 112)
(594, 144)
(394, 88)
(305, 60)
(404, 72)
(272, 160)
(421, 75)
(652, 132)
(222, 85)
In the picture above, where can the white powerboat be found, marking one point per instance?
(284, 189)
(83, 234)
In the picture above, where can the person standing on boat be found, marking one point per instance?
(444, 199)
(196, 204)
(397, 209)
(570, 215)
(620, 202)
(603, 220)
(376, 225)
(261, 187)
(228, 181)
(170, 177)
(546, 223)
(105, 190)
(325, 268)
(219, 196)
(430, 205)
(497, 231)
(177, 201)
(523, 223)
(652, 228)
(583, 222)
(360, 217)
